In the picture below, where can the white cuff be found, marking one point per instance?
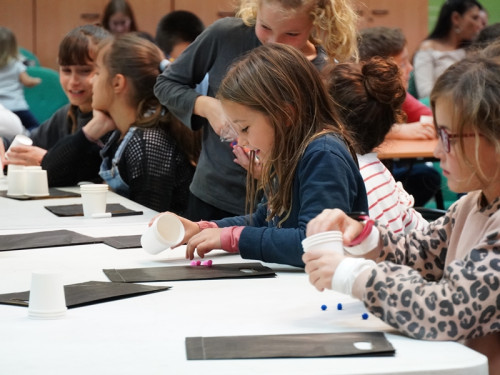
(346, 273)
(367, 245)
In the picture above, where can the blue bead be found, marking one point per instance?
(323, 307)
(365, 316)
(339, 306)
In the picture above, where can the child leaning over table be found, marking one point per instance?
(369, 98)
(304, 150)
(442, 283)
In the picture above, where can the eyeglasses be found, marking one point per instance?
(445, 137)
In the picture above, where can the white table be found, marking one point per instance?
(146, 334)
(32, 214)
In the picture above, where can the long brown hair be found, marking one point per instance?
(139, 61)
(280, 82)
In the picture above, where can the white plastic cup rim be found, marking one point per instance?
(47, 314)
(93, 187)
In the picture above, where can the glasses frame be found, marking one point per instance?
(445, 137)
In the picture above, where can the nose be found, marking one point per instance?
(439, 150)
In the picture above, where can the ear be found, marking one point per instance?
(455, 18)
(119, 83)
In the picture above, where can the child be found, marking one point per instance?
(419, 179)
(306, 164)
(150, 156)
(76, 60)
(319, 29)
(177, 30)
(118, 17)
(441, 283)
(13, 78)
(369, 97)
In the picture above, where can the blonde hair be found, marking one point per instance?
(335, 23)
(271, 79)
(8, 46)
(479, 110)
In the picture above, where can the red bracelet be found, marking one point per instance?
(367, 229)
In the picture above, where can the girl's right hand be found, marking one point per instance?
(211, 109)
(335, 219)
(190, 227)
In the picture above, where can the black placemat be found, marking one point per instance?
(35, 240)
(289, 346)
(88, 293)
(188, 272)
(77, 209)
(53, 193)
(122, 242)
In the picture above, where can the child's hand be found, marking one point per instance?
(203, 242)
(321, 266)
(190, 227)
(26, 155)
(335, 219)
(243, 159)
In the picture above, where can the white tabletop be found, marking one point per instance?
(146, 334)
(30, 214)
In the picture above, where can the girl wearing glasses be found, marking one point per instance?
(441, 283)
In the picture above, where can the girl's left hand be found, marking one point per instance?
(243, 159)
(203, 242)
(321, 266)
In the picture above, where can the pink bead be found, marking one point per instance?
(193, 263)
(198, 262)
(209, 263)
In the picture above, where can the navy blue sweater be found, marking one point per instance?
(326, 177)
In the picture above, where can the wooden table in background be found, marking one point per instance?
(407, 149)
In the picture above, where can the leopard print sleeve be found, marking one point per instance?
(416, 290)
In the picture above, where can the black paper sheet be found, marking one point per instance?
(63, 237)
(122, 242)
(289, 346)
(35, 240)
(88, 293)
(77, 209)
(188, 272)
(53, 193)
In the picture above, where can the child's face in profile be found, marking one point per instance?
(76, 83)
(254, 129)
(461, 175)
(405, 66)
(103, 94)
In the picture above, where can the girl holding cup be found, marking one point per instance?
(440, 283)
(304, 150)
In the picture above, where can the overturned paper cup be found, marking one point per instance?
(47, 299)
(166, 231)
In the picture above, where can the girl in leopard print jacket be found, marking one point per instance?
(443, 282)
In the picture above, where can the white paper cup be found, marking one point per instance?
(18, 141)
(166, 231)
(47, 299)
(93, 199)
(36, 182)
(16, 181)
(325, 241)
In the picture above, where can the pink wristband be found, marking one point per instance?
(364, 233)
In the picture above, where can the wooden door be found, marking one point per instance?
(55, 18)
(409, 15)
(17, 15)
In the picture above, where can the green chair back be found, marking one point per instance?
(47, 97)
(30, 56)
